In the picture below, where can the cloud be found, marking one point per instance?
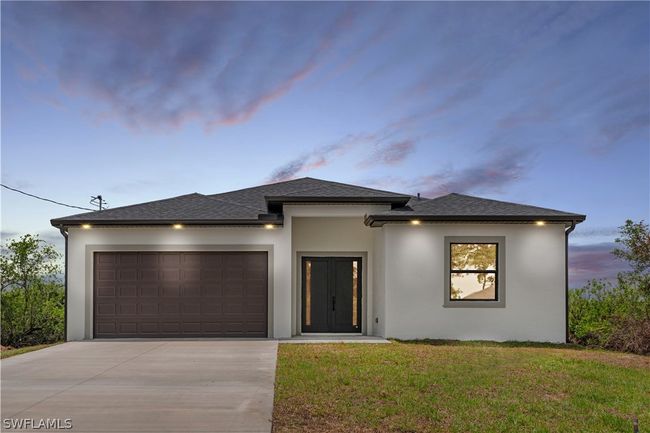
(587, 262)
(391, 154)
(161, 65)
(595, 232)
(320, 156)
(488, 175)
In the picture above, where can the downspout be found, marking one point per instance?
(567, 231)
(65, 285)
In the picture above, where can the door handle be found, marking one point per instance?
(333, 303)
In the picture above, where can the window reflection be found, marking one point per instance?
(473, 271)
(355, 289)
(308, 293)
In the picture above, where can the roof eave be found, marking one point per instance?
(262, 220)
(380, 220)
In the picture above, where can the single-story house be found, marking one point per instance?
(312, 256)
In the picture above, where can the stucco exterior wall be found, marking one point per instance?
(334, 236)
(534, 284)
(379, 283)
(82, 243)
(403, 272)
(322, 228)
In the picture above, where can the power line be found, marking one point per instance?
(44, 199)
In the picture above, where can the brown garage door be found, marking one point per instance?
(180, 294)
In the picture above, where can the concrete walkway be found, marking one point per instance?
(144, 386)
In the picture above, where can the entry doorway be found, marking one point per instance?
(331, 294)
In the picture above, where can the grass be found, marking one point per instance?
(434, 386)
(13, 352)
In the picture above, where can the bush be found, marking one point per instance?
(617, 316)
(610, 316)
(32, 296)
(34, 316)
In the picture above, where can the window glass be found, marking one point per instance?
(307, 293)
(473, 273)
(474, 257)
(355, 289)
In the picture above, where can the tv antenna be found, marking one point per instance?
(99, 202)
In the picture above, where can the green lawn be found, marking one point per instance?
(13, 352)
(458, 387)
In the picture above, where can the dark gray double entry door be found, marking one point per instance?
(331, 294)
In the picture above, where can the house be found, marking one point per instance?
(314, 256)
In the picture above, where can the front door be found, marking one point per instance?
(331, 294)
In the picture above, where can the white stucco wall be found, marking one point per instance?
(403, 271)
(322, 228)
(81, 243)
(334, 236)
(534, 284)
(379, 283)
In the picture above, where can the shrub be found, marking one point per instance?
(32, 316)
(32, 297)
(610, 316)
(617, 316)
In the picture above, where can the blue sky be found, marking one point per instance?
(541, 103)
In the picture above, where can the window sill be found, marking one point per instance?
(474, 304)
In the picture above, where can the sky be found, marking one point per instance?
(533, 102)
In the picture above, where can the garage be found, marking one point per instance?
(180, 294)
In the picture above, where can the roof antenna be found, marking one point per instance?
(418, 196)
(98, 201)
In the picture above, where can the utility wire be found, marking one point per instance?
(44, 199)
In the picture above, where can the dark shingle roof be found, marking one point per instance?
(185, 208)
(460, 207)
(251, 206)
(245, 206)
(308, 189)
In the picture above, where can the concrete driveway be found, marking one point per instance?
(144, 386)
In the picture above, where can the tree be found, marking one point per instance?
(634, 248)
(26, 261)
(31, 292)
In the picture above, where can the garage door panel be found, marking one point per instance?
(106, 290)
(191, 309)
(148, 308)
(191, 260)
(128, 327)
(148, 275)
(127, 259)
(105, 275)
(127, 309)
(211, 309)
(170, 291)
(148, 291)
(149, 328)
(170, 259)
(105, 309)
(169, 309)
(191, 274)
(178, 294)
(148, 259)
(170, 275)
(191, 290)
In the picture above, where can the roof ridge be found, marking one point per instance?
(300, 190)
(261, 186)
(359, 186)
